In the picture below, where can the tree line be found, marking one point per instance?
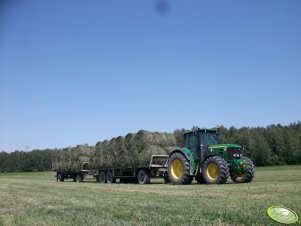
(266, 146)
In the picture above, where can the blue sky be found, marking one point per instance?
(75, 72)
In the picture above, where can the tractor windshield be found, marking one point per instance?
(208, 138)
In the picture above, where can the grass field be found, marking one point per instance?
(37, 199)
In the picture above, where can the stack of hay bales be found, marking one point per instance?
(135, 149)
(179, 135)
(70, 159)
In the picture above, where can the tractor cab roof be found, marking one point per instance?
(212, 130)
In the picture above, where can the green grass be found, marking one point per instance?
(37, 199)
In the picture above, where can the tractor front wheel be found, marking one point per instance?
(179, 169)
(215, 170)
(247, 176)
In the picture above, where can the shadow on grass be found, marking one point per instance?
(153, 183)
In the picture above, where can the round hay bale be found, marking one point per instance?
(122, 153)
(113, 153)
(96, 156)
(144, 138)
(129, 145)
(106, 155)
(71, 159)
(149, 150)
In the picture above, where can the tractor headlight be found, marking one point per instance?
(236, 155)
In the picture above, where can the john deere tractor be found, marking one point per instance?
(209, 162)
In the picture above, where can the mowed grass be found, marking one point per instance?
(37, 199)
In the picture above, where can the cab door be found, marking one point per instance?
(191, 142)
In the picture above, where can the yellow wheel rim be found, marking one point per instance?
(212, 171)
(176, 169)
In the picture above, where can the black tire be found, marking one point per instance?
(215, 170)
(79, 178)
(109, 177)
(60, 177)
(143, 177)
(200, 178)
(74, 179)
(102, 177)
(248, 176)
(179, 169)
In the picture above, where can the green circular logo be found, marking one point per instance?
(282, 215)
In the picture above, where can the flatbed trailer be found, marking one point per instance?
(139, 174)
(77, 176)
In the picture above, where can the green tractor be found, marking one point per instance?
(209, 162)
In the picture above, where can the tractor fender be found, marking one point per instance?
(208, 156)
(179, 150)
(188, 155)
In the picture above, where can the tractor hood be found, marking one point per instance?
(224, 146)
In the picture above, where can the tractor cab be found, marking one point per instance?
(203, 137)
(199, 140)
(205, 142)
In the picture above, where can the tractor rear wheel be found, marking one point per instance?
(215, 170)
(247, 176)
(102, 177)
(110, 178)
(143, 177)
(179, 169)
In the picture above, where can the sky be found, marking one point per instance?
(78, 72)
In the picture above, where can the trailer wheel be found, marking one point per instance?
(102, 177)
(60, 177)
(143, 177)
(110, 178)
(79, 178)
